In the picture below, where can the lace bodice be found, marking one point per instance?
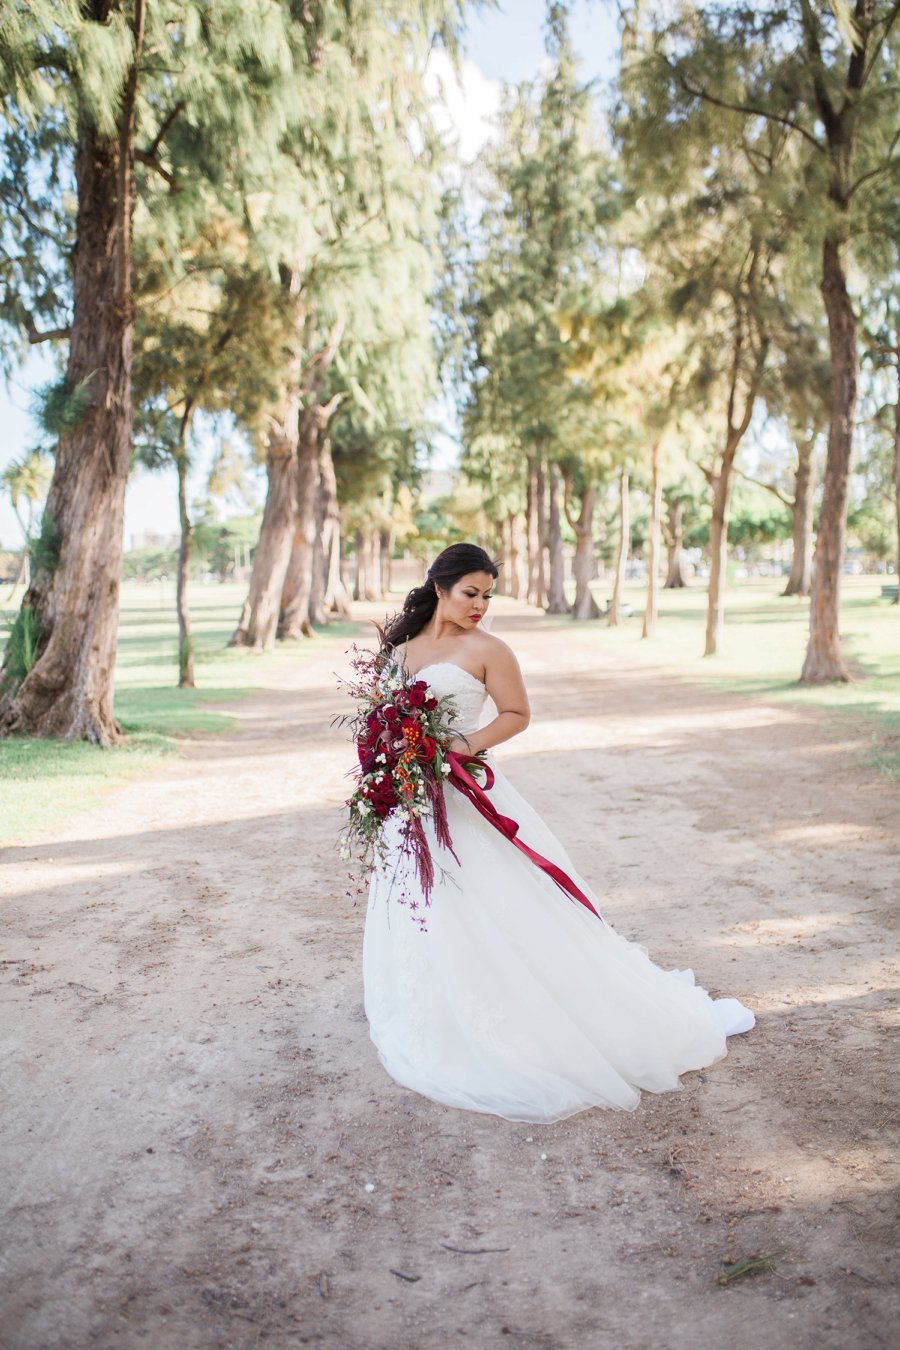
(468, 692)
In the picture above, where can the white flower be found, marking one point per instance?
(363, 808)
(446, 770)
(345, 853)
(381, 759)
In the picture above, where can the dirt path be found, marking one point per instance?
(193, 1111)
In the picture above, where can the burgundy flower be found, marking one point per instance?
(430, 704)
(426, 749)
(390, 713)
(381, 795)
(415, 695)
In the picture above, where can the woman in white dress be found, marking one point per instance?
(517, 1000)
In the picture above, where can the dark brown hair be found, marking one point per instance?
(456, 561)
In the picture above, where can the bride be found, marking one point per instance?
(517, 1000)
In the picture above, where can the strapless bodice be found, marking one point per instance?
(468, 692)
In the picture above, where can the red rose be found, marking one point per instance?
(389, 713)
(380, 793)
(382, 796)
(415, 695)
(430, 704)
(426, 749)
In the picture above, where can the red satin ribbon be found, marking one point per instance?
(463, 781)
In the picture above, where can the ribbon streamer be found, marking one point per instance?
(463, 781)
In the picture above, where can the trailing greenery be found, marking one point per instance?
(22, 646)
(43, 550)
(59, 408)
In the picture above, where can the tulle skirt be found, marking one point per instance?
(516, 1000)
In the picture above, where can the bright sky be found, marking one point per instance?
(505, 44)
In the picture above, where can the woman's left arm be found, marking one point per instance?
(504, 683)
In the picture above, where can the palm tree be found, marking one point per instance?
(26, 480)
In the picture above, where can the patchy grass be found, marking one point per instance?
(44, 783)
(765, 642)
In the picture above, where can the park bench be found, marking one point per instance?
(889, 592)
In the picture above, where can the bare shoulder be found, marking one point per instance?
(497, 656)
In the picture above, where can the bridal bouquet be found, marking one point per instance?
(402, 732)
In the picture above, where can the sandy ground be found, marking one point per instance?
(192, 1108)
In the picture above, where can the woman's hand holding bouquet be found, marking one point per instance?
(403, 735)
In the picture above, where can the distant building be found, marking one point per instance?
(147, 539)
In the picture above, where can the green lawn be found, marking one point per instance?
(43, 783)
(765, 641)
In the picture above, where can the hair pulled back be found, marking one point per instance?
(456, 561)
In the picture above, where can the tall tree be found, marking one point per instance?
(826, 78)
(541, 236)
(204, 345)
(97, 95)
(356, 194)
(798, 395)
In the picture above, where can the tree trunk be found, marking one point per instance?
(718, 556)
(654, 541)
(302, 584)
(367, 586)
(259, 618)
(585, 606)
(294, 620)
(185, 639)
(335, 599)
(387, 557)
(824, 661)
(72, 603)
(721, 486)
(674, 530)
(896, 600)
(537, 584)
(718, 530)
(507, 580)
(556, 602)
(317, 613)
(337, 595)
(614, 615)
(514, 556)
(800, 579)
(519, 545)
(357, 549)
(374, 591)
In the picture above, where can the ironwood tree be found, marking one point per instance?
(541, 238)
(96, 96)
(825, 78)
(354, 214)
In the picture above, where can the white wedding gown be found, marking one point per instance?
(516, 1000)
